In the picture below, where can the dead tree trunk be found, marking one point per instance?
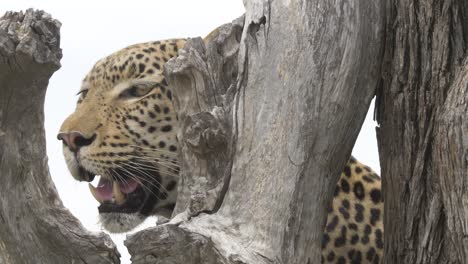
(265, 110)
(423, 137)
(34, 225)
(264, 107)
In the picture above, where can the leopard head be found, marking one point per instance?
(124, 130)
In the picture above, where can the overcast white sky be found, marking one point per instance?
(92, 29)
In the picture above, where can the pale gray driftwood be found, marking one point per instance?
(269, 106)
(34, 225)
(268, 114)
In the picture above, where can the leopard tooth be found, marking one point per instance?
(118, 194)
(93, 192)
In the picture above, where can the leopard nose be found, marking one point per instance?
(75, 140)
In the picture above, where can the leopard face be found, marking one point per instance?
(124, 130)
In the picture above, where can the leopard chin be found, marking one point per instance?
(120, 222)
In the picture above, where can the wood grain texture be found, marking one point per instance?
(34, 225)
(268, 115)
(422, 110)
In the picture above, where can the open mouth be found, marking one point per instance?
(122, 193)
(114, 196)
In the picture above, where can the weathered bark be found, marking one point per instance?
(423, 144)
(266, 123)
(34, 225)
(269, 108)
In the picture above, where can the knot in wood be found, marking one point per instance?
(203, 133)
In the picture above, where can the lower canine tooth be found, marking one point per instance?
(93, 192)
(118, 195)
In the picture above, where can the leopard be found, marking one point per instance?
(124, 130)
(354, 227)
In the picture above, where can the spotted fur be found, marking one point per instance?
(125, 107)
(354, 230)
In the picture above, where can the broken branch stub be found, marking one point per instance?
(201, 77)
(34, 225)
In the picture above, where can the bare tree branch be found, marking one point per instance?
(34, 225)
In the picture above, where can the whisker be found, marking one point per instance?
(166, 163)
(167, 160)
(117, 176)
(114, 174)
(141, 168)
(160, 187)
(147, 174)
(141, 180)
(148, 166)
(155, 169)
(141, 148)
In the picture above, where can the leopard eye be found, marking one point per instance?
(135, 91)
(83, 94)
